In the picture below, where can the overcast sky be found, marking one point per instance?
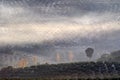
(72, 24)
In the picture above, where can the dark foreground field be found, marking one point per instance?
(58, 79)
(68, 71)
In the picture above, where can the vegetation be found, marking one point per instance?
(82, 70)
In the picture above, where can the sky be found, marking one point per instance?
(46, 28)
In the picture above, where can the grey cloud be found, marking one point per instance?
(104, 41)
(57, 10)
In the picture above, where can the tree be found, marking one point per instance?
(89, 52)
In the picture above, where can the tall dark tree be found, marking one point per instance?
(89, 52)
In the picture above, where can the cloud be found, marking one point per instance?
(38, 33)
(32, 11)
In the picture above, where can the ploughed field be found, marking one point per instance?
(79, 70)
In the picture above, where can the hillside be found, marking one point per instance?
(65, 71)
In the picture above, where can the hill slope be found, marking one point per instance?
(68, 70)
